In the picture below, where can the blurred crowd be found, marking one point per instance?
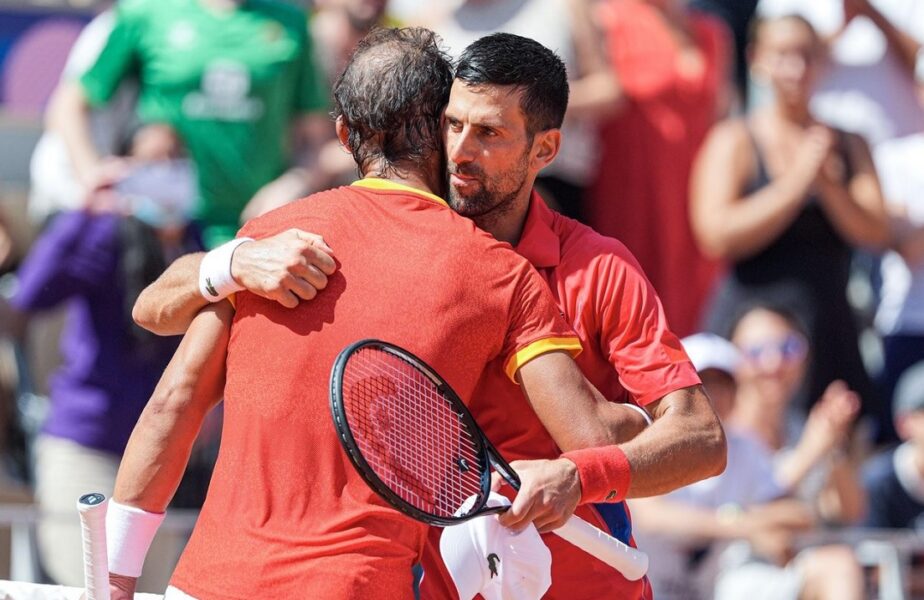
(762, 161)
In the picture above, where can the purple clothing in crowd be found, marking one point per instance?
(105, 379)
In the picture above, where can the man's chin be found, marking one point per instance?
(466, 207)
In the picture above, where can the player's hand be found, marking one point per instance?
(626, 422)
(549, 492)
(290, 266)
(121, 587)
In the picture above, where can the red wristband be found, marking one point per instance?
(605, 473)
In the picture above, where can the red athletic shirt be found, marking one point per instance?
(629, 354)
(286, 515)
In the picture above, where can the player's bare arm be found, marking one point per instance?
(158, 450)
(684, 444)
(577, 416)
(287, 267)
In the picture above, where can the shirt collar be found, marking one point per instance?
(539, 244)
(376, 183)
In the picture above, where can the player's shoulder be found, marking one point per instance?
(583, 245)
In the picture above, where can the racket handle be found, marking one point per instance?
(631, 562)
(92, 510)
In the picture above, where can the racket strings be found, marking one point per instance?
(410, 434)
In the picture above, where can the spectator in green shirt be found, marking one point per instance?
(236, 78)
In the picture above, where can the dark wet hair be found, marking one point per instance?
(507, 59)
(391, 96)
(781, 309)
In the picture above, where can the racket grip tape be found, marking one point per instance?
(631, 562)
(92, 511)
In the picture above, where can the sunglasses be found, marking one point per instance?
(792, 348)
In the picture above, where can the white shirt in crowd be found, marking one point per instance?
(901, 306)
(54, 186)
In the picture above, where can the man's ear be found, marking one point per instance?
(545, 148)
(343, 134)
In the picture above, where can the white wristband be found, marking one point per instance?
(215, 280)
(129, 533)
(644, 412)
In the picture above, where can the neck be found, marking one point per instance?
(416, 177)
(797, 114)
(505, 222)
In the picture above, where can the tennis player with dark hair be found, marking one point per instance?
(286, 514)
(506, 104)
(509, 96)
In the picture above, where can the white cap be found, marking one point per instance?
(484, 557)
(710, 351)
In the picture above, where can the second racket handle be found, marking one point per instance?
(92, 509)
(632, 563)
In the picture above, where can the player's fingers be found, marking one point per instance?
(549, 523)
(284, 297)
(497, 482)
(320, 257)
(314, 240)
(311, 274)
(521, 512)
(301, 288)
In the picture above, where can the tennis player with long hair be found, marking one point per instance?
(286, 514)
(510, 91)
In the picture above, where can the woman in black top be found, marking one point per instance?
(784, 199)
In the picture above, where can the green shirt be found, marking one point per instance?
(229, 82)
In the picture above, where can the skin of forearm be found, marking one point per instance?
(754, 222)
(859, 225)
(69, 116)
(905, 45)
(686, 443)
(159, 447)
(168, 306)
(574, 413)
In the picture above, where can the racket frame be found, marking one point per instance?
(485, 451)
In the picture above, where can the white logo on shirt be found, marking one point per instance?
(182, 35)
(224, 94)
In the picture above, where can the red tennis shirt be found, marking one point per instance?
(286, 515)
(629, 354)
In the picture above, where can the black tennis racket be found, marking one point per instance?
(415, 443)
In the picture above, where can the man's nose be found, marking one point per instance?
(459, 147)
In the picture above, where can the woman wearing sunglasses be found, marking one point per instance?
(810, 458)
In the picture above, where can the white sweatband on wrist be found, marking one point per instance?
(644, 412)
(215, 280)
(129, 533)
